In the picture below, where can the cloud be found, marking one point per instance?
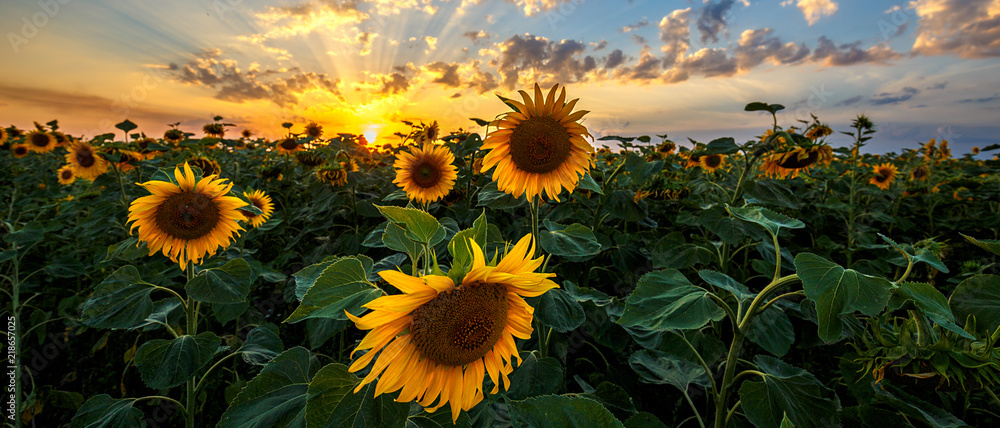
(599, 45)
(542, 60)
(813, 10)
(476, 36)
(365, 40)
(614, 59)
(646, 69)
(431, 42)
(532, 7)
(939, 85)
(850, 101)
(233, 84)
(831, 54)
(968, 28)
(757, 46)
(304, 18)
(712, 20)
(391, 84)
(633, 27)
(983, 100)
(675, 33)
(448, 73)
(887, 98)
(481, 81)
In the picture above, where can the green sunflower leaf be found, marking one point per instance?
(788, 390)
(419, 225)
(331, 402)
(275, 397)
(121, 301)
(343, 285)
(168, 363)
(227, 284)
(665, 300)
(560, 411)
(837, 291)
(978, 296)
(991, 245)
(102, 411)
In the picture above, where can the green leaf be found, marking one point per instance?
(261, 345)
(621, 205)
(575, 240)
(275, 397)
(129, 249)
(461, 250)
(419, 225)
(837, 291)
(490, 196)
(725, 146)
(658, 367)
(672, 252)
(916, 408)
(126, 126)
(991, 245)
(920, 255)
(978, 296)
(756, 106)
(559, 310)
(729, 229)
(342, 286)
(870, 417)
(612, 397)
(535, 376)
(227, 284)
(168, 363)
(102, 411)
(121, 301)
(665, 300)
(785, 422)
(773, 331)
(771, 220)
(644, 420)
(395, 239)
(791, 390)
(588, 183)
(932, 303)
(560, 411)
(724, 282)
(331, 402)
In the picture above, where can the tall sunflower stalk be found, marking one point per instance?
(863, 129)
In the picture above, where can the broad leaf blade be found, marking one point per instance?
(665, 300)
(837, 291)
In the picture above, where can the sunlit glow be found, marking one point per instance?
(371, 133)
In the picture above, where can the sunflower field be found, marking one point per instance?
(530, 276)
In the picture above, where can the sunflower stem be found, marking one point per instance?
(533, 207)
(192, 327)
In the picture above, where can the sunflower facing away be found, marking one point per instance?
(85, 161)
(206, 165)
(883, 175)
(262, 202)
(540, 147)
(920, 173)
(287, 146)
(187, 221)
(173, 136)
(797, 160)
(66, 176)
(426, 173)
(40, 142)
(314, 130)
(438, 339)
(336, 176)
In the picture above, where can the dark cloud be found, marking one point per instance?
(969, 28)
(233, 84)
(345, 8)
(482, 81)
(995, 97)
(887, 98)
(757, 46)
(637, 39)
(633, 27)
(560, 60)
(850, 101)
(599, 45)
(449, 74)
(939, 85)
(476, 36)
(614, 59)
(832, 54)
(712, 20)
(394, 83)
(456, 95)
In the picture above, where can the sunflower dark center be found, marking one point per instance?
(539, 145)
(288, 144)
(67, 174)
(460, 326)
(40, 140)
(187, 215)
(713, 161)
(84, 157)
(425, 174)
(883, 175)
(20, 150)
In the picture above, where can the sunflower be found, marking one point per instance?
(288, 146)
(334, 175)
(62, 140)
(930, 149)
(920, 173)
(711, 162)
(187, 221)
(797, 160)
(173, 136)
(262, 202)
(818, 132)
(207, 166)
(215, 130)
(883, 175)
(86, 163)
(126, 160)
(66, 175)
(944, 152)
(314, 130)
(690, 160)
(539, 147)
(20, 150)
(246, 133)
(975, 150)
(438, 339)
(40, 142)
(427, 134)
(309, 158)
(666, 148)
(768, 133)
(426, 173)
(3, 135)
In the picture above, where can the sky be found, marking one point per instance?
(919, 69)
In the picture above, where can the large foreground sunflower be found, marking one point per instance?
(189, 220)
(540, 147)
(85, 161)
(883, 175)
(426, 173)
(263, 203)
(438, 340)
